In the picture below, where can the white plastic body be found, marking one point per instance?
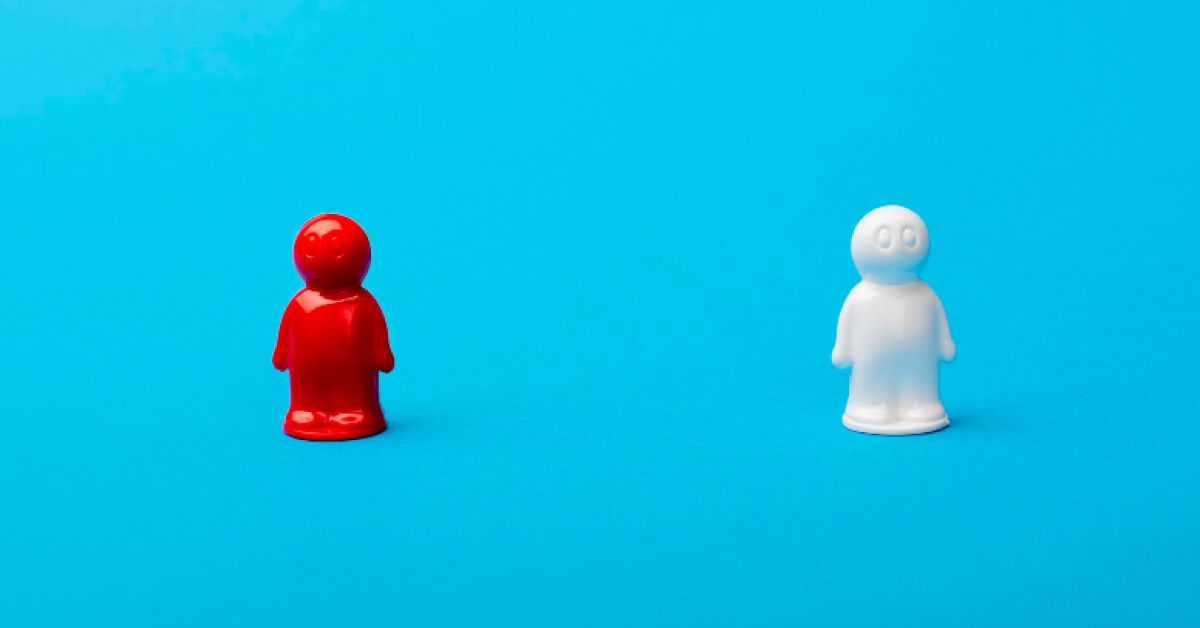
(892, 330)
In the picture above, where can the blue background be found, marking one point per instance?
(611, 240)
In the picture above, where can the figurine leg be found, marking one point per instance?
(921, 407)
(355, 410)
(306, 414)
(871, 407)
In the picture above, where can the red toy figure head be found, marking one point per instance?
(332, 251)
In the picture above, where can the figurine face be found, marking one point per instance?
(332, 251)
(890, 245)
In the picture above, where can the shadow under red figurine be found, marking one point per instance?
(333, 338)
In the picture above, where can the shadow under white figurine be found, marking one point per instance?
(892, 330)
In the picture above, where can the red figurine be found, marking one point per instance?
(333, 337)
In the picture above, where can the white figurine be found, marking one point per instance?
(892, 329)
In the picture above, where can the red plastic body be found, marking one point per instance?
(333, 339)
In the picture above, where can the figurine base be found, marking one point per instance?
(332, 431)
(896, 428)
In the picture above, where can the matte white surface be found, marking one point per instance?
(892, 330)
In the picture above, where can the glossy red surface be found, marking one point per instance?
(333, 339)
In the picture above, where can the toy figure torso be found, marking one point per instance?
(331, 330)
(892, 321)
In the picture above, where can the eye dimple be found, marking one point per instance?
(910, 237)
(337, 246)
(883, 238)
(312, 244)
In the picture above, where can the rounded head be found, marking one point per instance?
(890, 245)
(332, 251)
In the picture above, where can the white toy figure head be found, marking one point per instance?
(890, 245)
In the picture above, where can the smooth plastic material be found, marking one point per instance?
(892, 329)
(333, 338)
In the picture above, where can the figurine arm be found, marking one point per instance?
(280, 358)
(381, 350)
(945, 344)
(841, 346)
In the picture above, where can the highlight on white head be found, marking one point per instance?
(890, 245)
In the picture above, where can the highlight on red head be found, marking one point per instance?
(332, 251)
